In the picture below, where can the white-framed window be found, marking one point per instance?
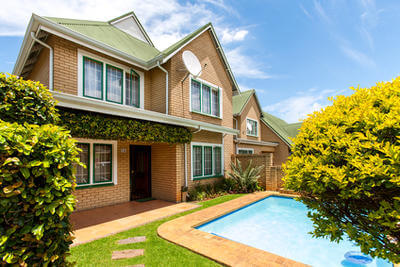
(206, 160)
(100, 158)
(245, 151)
(251, 127)
(105, 80)
(205, 98)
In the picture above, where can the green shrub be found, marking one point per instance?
(25, 101)
(36, 177)
(245, 180)
(211, 190)
(346, 166)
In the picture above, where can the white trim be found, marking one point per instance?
(245, 148)
(212, 87)
(91, 159)
(88, 104)
(126, 69)
(257, 124)
(212, 161)
(254, 142)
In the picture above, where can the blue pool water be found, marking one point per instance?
(280, 225)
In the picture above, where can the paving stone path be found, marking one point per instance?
(129, 253)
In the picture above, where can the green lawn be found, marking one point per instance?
(157, 251)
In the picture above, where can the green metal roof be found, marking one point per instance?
(110, 35)
(185, 39)
(239, 101)
(285, 130)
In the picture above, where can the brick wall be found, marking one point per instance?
(257, 160)
(251, 111)
(258, 149)
(281, 151)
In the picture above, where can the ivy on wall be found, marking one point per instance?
(87, 124)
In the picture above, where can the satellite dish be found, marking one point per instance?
(192, 63)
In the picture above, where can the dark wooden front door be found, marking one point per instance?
(140, 171)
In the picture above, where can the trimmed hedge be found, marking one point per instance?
(37, 180)
(346, 166)
(99, 126)
(25, 101)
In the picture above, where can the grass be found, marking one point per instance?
(157, 251)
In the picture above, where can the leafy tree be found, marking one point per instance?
(36, 177)
(346, 167)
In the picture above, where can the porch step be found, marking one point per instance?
(126, 254)
(132, 240)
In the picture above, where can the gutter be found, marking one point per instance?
(33, 35)
(166, 87)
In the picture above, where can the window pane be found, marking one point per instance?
(102, 163)
(132, 97)
(217, 160)
(196, 96)
(215, 103)
(251, 127)
(206, 98)
(93, 78)
(197, 159)
(207, 160)
(114, 84)
(82, 174)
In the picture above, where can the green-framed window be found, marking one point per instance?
(205, 99)
(251, 127)
(245, 151)
(132, 91)
(206, 160)
(114, 84)
(102, 163)
(92, 78)
(82, 174)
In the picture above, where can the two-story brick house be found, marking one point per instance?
(113, 68)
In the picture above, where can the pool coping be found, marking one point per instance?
(182, 231)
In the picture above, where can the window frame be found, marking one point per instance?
(213, 173)
(88, 166)
(212, 88)
(257, 130)
(83, 77)
(94, 160)
(114, 162)
(122, 84)
(105, 61)
(137, 75)
(245, 149)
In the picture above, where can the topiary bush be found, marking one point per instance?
(346, 166)
(25, 101)
(36, 177)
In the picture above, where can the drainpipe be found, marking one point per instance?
(50, 59)
(185, 160)
(198, 130)
(166, 86)
(223, 151)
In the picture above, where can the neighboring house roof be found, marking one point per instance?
(108, 34)
(240, 100)
(284, 130)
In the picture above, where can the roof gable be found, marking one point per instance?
(240, 101)
(284, 130)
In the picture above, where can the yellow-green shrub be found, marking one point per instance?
(346, 166)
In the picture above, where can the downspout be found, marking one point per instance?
(223, 152)
(50, 59)
(236, 136)
(166, 86)
(185, 160)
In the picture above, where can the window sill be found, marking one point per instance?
(206, 114)
(93, 185)
(207, 177)
(251, 135)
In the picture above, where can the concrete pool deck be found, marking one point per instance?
(181, 231)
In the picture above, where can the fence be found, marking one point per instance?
(270, 176)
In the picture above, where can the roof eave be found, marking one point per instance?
(281, 137)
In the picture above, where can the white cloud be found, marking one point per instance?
(358, 56)
(321, 11)
(296, 108)
(244, 66)
(233, 35)
(305, 11)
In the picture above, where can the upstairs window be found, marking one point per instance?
(205, 99)
(92, 78)
(132, 92)
(114, 84)
(252, 127)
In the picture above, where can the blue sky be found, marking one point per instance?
(294, 53)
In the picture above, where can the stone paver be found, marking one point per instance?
(101, 230)
(131, 240)
(181, 231)
(126, 254)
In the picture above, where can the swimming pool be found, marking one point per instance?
(280, 225)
